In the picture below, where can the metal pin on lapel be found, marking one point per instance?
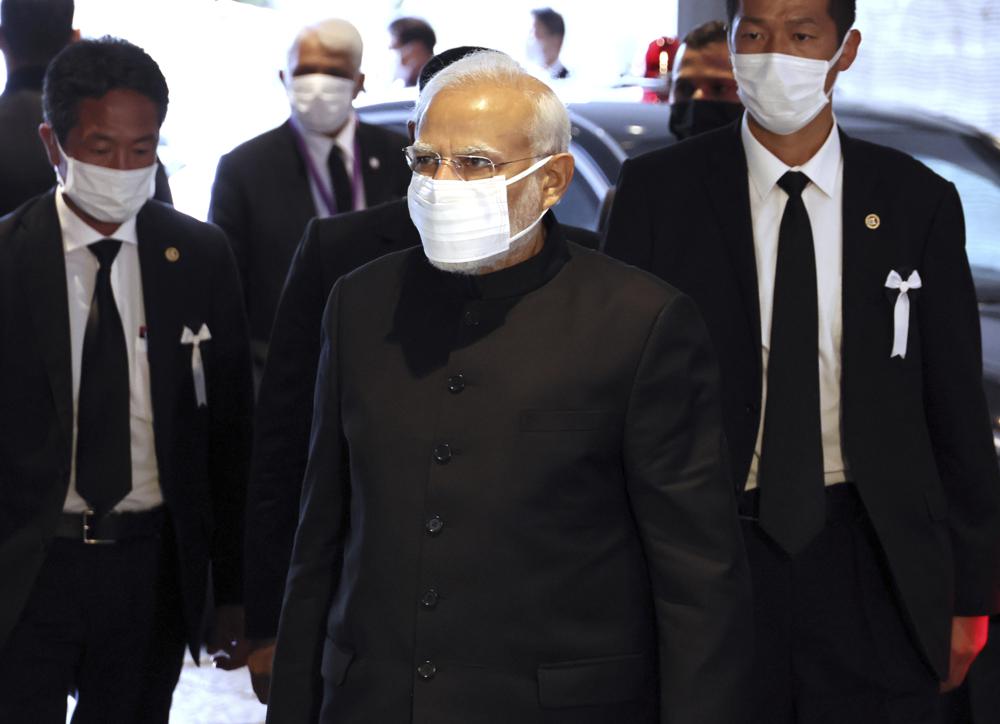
(172, 254)
(374, 163)
(872, 221)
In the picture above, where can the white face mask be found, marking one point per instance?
(321, 103)
(465, 221)
(107, 194)
(784, 93)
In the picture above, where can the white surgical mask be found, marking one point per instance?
(321, 103)
(784, 93)
(110, 195)
(465, 221)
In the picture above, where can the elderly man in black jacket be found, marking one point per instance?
(517, 505)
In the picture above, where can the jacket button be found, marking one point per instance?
(427, 670)
(430, 599)
(434, 526)
(456, 383)
(471, 319)
(442, 454)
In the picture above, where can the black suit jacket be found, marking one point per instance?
(202, 453)
(262, 200)
(915, 431)
(25, 170)
(516, 507)
(330, 248)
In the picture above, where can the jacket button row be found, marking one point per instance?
(456, 383)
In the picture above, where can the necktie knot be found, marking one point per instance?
(793, 183)
(105, 250)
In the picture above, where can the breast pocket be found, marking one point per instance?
(141, 397)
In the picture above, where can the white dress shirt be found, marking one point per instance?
(823, 199)
(319, 147)
(126, 284)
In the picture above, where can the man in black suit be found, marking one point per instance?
(833, 278)
(320, 162)
(503, 521)
(331, 248)
(127, 398)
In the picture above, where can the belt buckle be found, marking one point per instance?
(85, 530)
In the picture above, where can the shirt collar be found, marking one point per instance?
(766, 169)
(76, 233)
(517, 280)
(320, 145)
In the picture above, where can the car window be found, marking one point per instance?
(981, 202)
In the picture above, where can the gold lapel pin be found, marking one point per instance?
(172, 254)
(872, 221)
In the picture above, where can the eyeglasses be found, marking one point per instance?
(467, 168)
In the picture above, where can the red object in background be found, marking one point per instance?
(659, 62)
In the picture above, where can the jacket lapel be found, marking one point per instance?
(157, 256)
(291, 167)
(728, 189)
(44, 286)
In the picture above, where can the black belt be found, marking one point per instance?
(112, 527)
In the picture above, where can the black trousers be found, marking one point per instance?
(832, 642)
(103, 622)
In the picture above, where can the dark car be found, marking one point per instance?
(606, 133)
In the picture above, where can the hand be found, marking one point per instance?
(259, 662)
(226, 643)
(968, 637)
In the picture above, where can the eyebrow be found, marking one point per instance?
(802, 21)
(477, 150)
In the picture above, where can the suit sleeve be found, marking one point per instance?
(228, 210)
(629, 236)
(677, 474)
(281, 437)
(231, 410)
(296, 686)
(956, 410)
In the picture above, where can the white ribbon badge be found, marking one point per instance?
(902, 310)
(197, 368)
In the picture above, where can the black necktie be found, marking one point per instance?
(104, 439)
(792, 500)
(343, 191)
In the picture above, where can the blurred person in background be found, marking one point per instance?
(545, 41)
(330, 248)
(31, 33)
(127, 401)
(413, 40)
(703, 93)
(322, 161)
(833, 277)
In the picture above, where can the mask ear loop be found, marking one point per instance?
(836, 59)
(528, 171)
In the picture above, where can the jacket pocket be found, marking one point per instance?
(592, 682)
(335, 662)
(564, 420)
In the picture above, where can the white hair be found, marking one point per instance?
(335, 35)
(548, 131)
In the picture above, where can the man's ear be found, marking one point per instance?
(281, 77)
(74, 36)
(558, 173)
(48, 136)
(359, 85)
(850, 53)
(411, 130)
